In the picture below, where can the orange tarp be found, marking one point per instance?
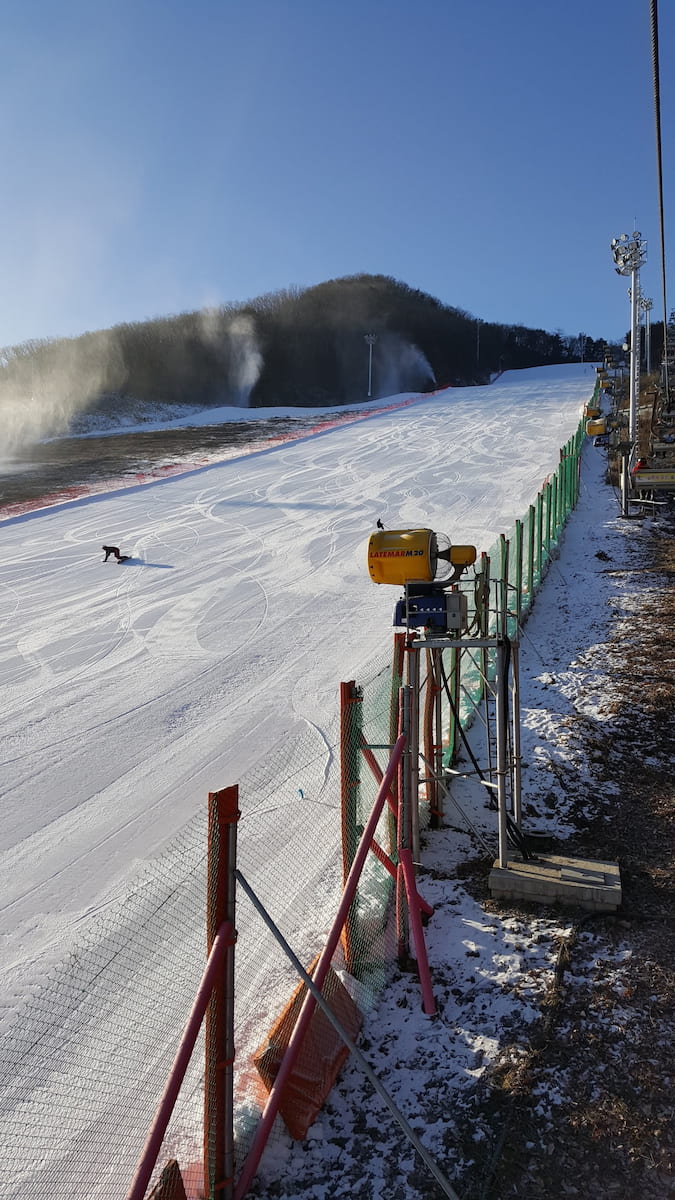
(321, 1055)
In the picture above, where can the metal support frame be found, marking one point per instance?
(504, 770)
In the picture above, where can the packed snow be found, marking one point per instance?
(134, 689)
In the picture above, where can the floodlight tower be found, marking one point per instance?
(629, 255)
(371, 339)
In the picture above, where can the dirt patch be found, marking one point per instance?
(584, 1106)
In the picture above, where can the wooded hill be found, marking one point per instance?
(300, 347)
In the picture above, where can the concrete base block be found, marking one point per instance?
(555, 879)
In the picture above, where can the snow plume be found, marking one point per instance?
(245, 358)
(399, 366)
(42, 388)
(234, 341)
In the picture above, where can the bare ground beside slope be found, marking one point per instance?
(583, 1106)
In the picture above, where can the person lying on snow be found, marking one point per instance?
(114, 550)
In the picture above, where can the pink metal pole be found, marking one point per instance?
(402, 925)
(382, 856)
(166, 1105)
(293, 1049)
(415, 905)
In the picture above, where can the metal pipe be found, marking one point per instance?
(437, 658)
(515, 719)
(625, 485)
(411, 755)
(428, 1002)
(501, 754)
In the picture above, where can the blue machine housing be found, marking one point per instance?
(425, 604)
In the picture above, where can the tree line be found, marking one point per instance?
(334, 343)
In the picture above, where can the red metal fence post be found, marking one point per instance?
(396, 681)
(218, 1078)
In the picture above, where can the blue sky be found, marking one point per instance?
(158, 158)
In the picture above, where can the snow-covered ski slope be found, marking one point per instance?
(132, 690)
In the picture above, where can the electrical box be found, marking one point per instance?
(431, 608)
(456, 611)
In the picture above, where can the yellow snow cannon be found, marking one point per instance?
(398, 556)
(597, 427)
